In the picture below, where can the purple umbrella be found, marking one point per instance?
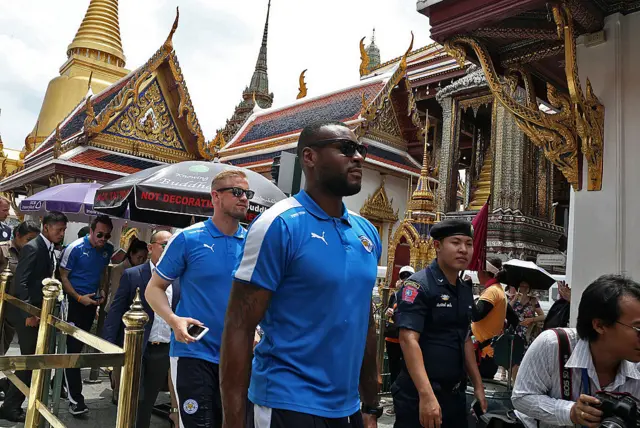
(73, 199)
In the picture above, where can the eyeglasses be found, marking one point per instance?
(101, 235)
(347, 147)
(238, 191)
(637, 329)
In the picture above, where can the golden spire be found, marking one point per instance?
(99, 33)
(422, 199)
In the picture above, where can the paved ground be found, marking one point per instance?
(103, 414)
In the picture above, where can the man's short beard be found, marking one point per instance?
(339, 186)
(236, 215)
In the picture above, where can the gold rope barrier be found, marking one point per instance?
(130, 357)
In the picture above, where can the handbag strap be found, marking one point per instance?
(564, 352)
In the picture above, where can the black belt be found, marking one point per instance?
(159, 343)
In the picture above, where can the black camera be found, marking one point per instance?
(619, 410)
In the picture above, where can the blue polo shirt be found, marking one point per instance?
(85, 264)
(205, 260)
(321, 271)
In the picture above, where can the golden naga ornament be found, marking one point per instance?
(302, 90)
(364, 59)
(579, 115)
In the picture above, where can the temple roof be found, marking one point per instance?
(343, 105)
(267, 132)
(114, 162)
(425, 65)
(158, 88)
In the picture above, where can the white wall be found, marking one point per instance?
(396, 189)
(604, 226)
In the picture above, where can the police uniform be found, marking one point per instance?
(5, 232)
(441, 313)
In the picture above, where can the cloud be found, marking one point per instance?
(217, 44)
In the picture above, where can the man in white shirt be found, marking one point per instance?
(604, 355)
(157, 335)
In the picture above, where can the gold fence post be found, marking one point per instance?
(134, 321)
(51, 288)
(5, 279)
(384, 301)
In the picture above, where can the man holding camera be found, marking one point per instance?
(600, 360)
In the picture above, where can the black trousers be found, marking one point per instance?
(27, 338)
(407, 404)
(278, 418)
(197, 384)
(394, 353)
(82, 317)
(153, 377)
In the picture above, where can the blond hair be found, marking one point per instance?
(225, 175)
(5, 200)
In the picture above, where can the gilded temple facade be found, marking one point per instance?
(141, 120)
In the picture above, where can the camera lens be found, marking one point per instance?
(613, 422)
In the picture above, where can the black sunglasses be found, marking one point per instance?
(346, 147)
(101, 235)
(238, 192)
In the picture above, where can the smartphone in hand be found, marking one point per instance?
(197, 331)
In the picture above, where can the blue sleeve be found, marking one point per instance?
(69, 257)
(266, 253)
(173, 262)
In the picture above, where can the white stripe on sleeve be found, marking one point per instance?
(67, 252)
(255, 237)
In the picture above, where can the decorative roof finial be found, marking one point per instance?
(256, 106)
(373, 36)
(373, 53)
(303, 86)
(169, 42)
(364, 59)
(403, 61)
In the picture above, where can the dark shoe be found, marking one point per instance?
(78, 409)
(12, 415)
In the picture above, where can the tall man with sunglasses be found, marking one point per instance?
(204, 257)
(81, 268)
(307, 274)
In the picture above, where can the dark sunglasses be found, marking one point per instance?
(238, 192)
(101, 235)
(346, 147)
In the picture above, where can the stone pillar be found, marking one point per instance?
(604, 226)
(508, 143)
(447, 173)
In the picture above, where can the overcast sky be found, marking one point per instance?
(217, 45)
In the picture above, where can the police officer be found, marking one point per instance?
(434, 316)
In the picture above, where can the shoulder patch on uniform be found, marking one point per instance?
(409, 292)
(366, 243)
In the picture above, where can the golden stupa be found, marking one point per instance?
(94, 54)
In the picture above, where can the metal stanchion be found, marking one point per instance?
(50, 290)
(134, 321)
(384, 299)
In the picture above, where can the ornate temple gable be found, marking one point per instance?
(378, 207)
(146, 127)
(91, 121)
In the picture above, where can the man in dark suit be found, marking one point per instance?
(157, 333)
(36, 262)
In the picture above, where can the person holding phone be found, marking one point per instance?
(204, 258)
(81, 268)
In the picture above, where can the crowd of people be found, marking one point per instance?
(273, 327)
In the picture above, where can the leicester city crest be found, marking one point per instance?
(366, 243)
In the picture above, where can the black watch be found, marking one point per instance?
(375, 411)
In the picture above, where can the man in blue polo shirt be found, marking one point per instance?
(81, 268)
(307, 274)
(204, 257)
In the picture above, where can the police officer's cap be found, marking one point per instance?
(451, 227)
